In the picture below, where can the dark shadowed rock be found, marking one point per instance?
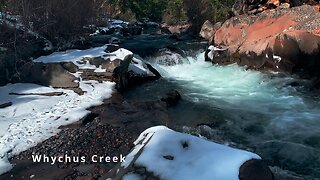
(126, 79)
(132, 30)
(70, 66)
(89, 118)
(112, 47)
(255, 169)
(154, 71)
(171, 98)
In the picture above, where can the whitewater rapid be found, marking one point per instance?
(261, 110)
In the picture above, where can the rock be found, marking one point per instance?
(154, 71)
(169, 57)
(284, 40)
(50, 74)
(4, 105)
(215, 55)
(171, 98)
(114, 40)
(255, 169)
(69, 66)
(88, 118)
(208, 30)
(112, 47)
(132, 30)
(126, 79)
(176, 29)
(106, 31)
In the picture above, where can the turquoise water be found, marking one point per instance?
(259, 111)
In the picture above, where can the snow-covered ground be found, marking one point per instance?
(173, 155)
(33, 118)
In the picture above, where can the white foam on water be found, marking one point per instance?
(247, 96)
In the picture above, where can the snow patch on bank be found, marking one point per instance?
(74, 55)
(173, 155)
(33, 118)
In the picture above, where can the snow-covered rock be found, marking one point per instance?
(81, 58)
(163, 153)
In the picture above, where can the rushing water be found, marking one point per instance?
(252, 109)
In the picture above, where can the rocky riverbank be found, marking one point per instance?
(109, 129)
(269, 35)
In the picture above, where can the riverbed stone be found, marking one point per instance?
(255, 169)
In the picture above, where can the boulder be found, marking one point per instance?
(255, 169)
(131, 72)
(176, 29)
(169, 57)
(132, 30)
(207, 30)
(46, 74)
(171, 98)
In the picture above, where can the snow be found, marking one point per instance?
(213, 48)
(74, 56)
(100, 70)
(138, 66)
(201, 159)
(120, 54)
(4, 165)
(112, 24)
(131, 176)
(278, 58)
(34, 118)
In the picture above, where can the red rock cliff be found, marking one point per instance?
(281, 39)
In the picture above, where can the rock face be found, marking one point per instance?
(282, 40)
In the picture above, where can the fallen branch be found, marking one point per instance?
(38, 94)
(4, 105)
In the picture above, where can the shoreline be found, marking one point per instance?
(98, 137)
